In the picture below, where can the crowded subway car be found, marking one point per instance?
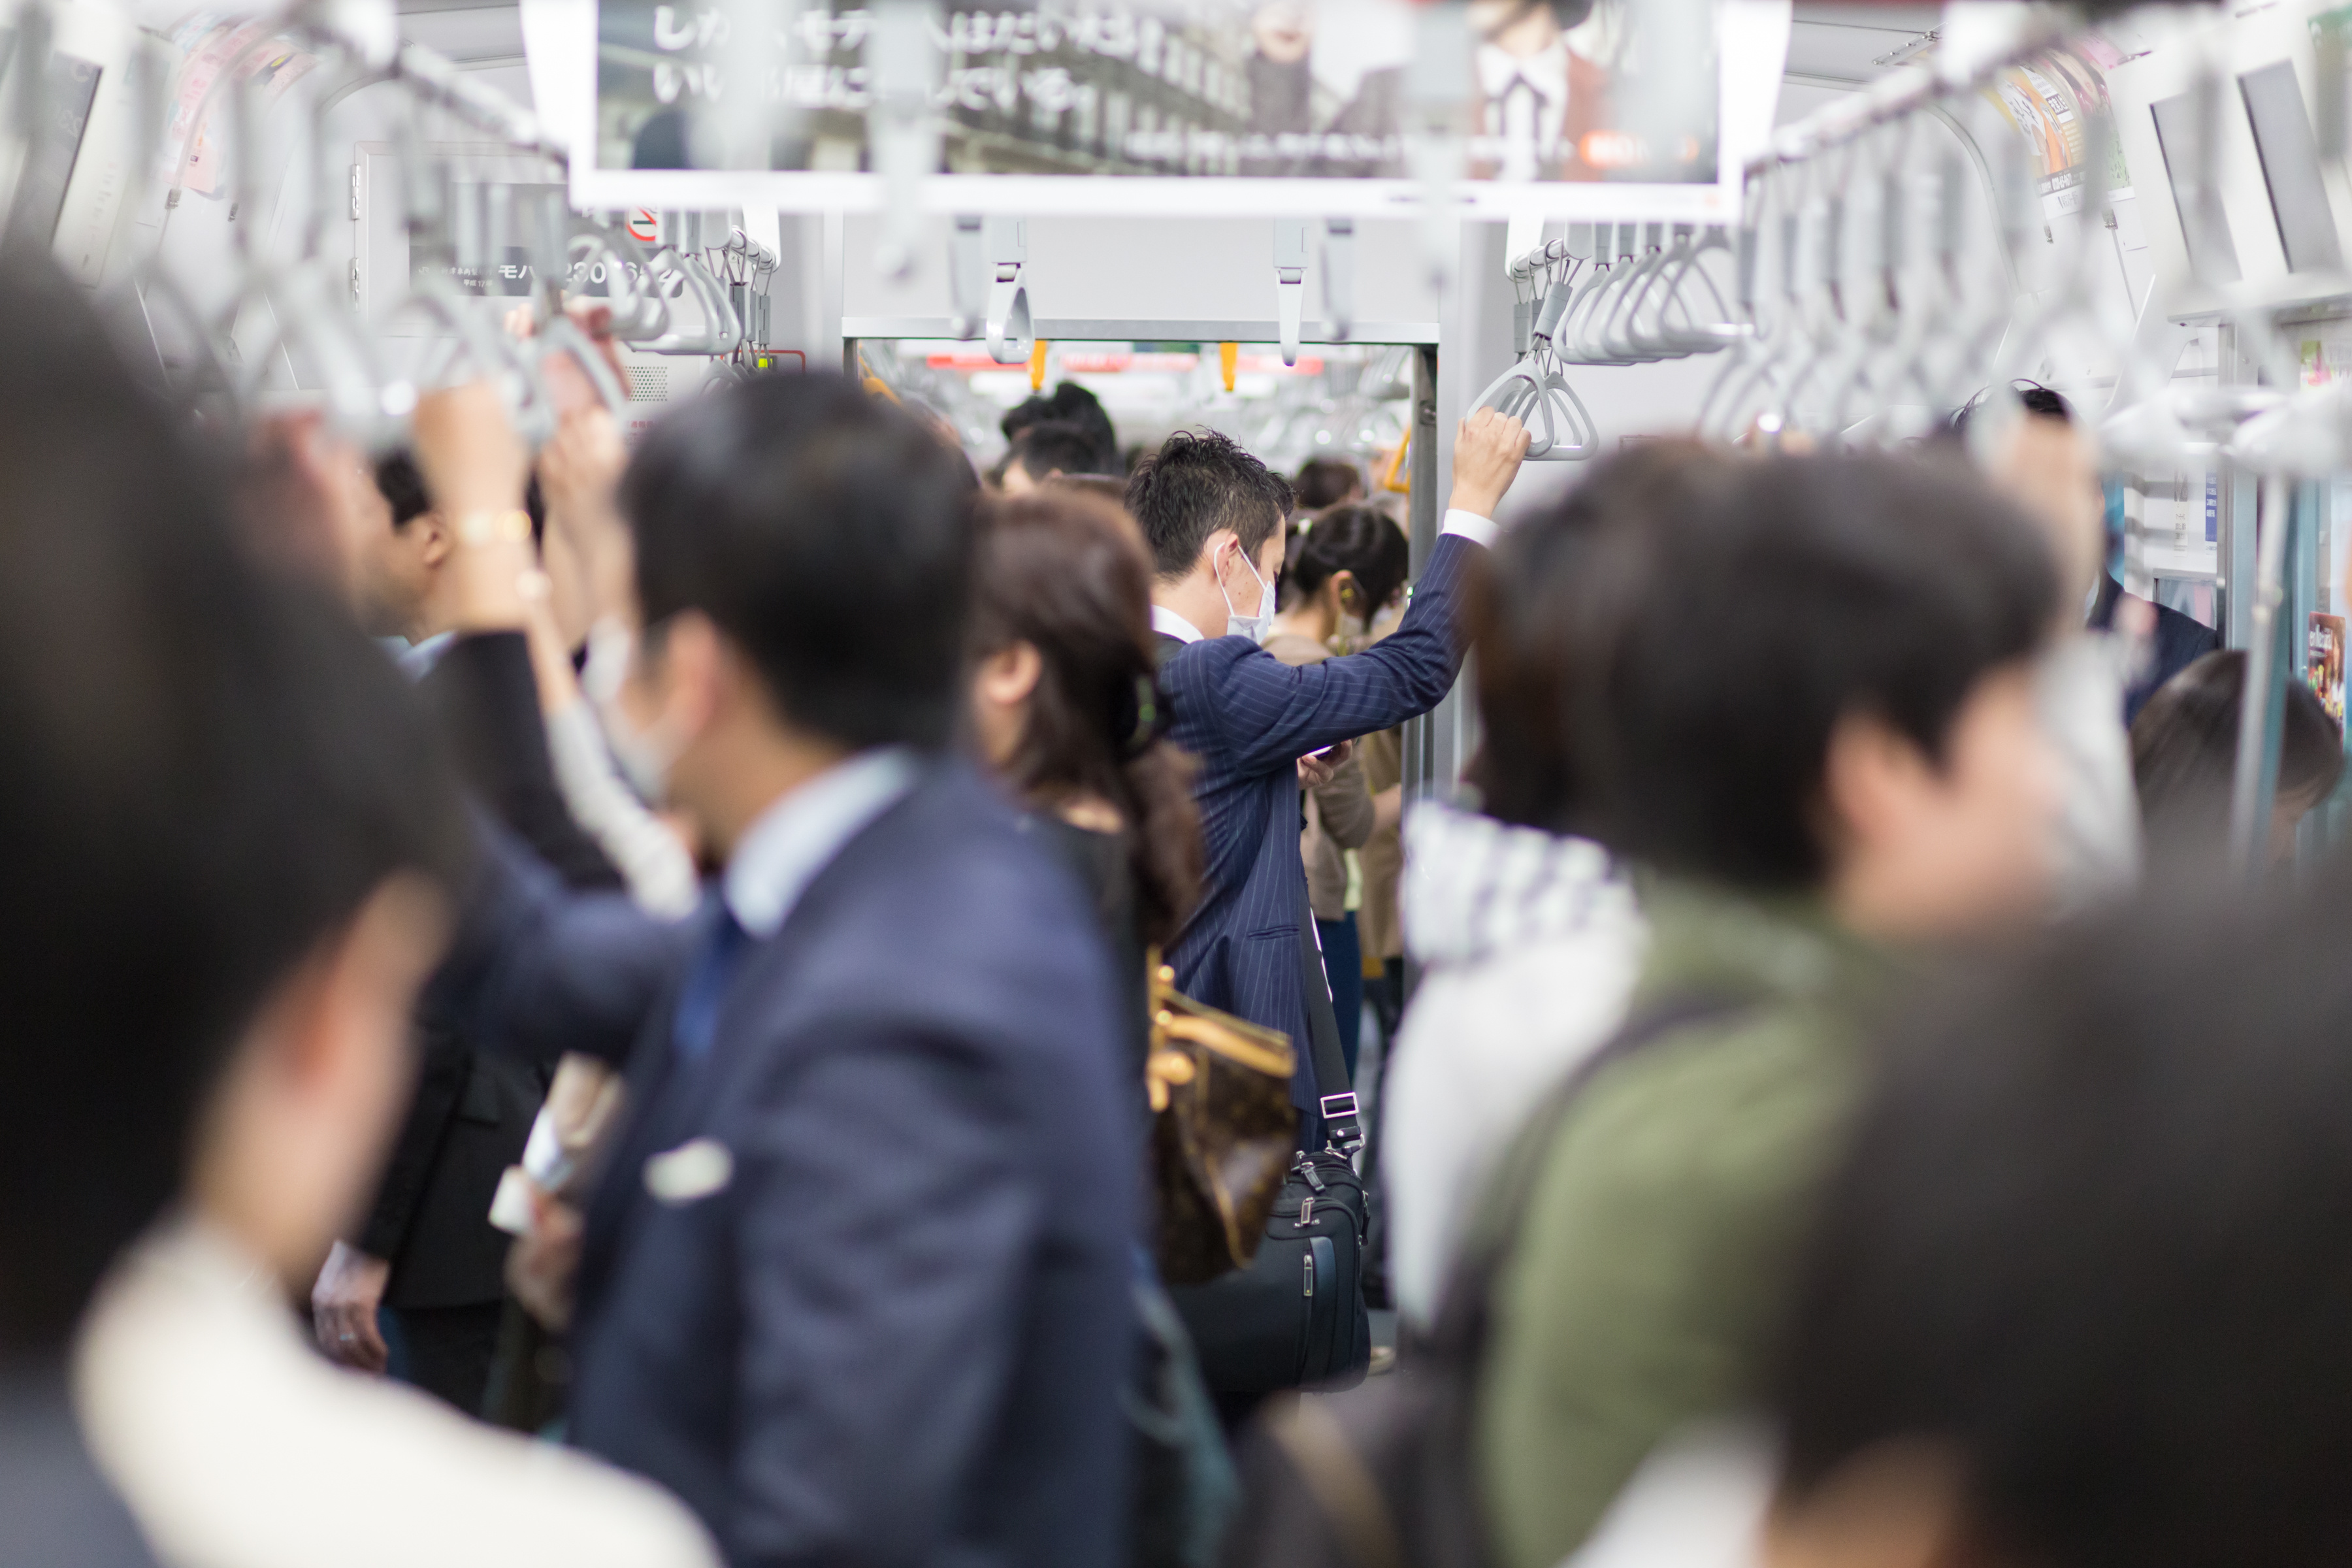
(1202, 784)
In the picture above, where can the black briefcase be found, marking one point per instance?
(1296, 1317)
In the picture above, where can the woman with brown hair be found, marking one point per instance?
(1345, 567)
(1064, 710)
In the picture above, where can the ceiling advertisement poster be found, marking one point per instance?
(1276, 106)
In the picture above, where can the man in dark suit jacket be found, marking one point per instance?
(426, 1253)
(446, 1289)
(854, 1281)
(2175, 641)
(1212, 515)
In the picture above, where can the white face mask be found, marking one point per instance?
(1256, 626)
(644, 755)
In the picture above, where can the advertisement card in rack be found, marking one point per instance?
(1285, 108)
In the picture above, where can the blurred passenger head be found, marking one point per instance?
(2185, 761)
(1814, 673)
(2049, 464)
(931, 419)
(1047, 451)
(1111, 492)
(1539, 604)
(1069, 404)
(402, 485)
(1063, 705)
(2077, 1296)
(224, 829)
(803, 561)
(401, 554)
(1208, 508)
(2038, 402)
(1326, 482)
(2043, 403)
(304, 501)
(1351, 561)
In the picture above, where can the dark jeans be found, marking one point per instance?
(445, 1351)
(1343, 961)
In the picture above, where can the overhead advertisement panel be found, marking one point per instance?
(1577, 108)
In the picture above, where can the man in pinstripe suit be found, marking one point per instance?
(1212, 515)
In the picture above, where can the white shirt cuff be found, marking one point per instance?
(1469, 525)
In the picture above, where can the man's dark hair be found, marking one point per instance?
(1069, 404)
(1537, 606)
(401, 483)
(1326, 482)
(1773, 597)
(1197, 483)
(1051, 449)
(2037, 399)
(208, 771)
(2185, 751)
(2091, 1235)
(2046, 404)
(828, 535)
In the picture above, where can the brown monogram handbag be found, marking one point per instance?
(1223, 1132)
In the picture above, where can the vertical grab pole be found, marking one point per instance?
(1424, 772)
(2262, 710)
(2305, 596)
(1430, 760)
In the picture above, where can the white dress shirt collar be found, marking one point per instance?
(1167, 623)
(417, 659)
(798, 836)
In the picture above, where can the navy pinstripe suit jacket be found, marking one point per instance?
(1248, 717)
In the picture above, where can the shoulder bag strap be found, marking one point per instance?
(1460, 1333)
(1335, 1095)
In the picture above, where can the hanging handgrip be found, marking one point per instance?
(1011, 337)
(1518, 392)
(638, 309)
(1289, 282)
(721, 331)
(1584, 435)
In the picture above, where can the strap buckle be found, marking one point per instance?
(1342, 1130)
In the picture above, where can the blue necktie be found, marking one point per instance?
(706, 985)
